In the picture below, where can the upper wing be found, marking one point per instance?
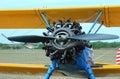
(27, 18)
(31, 18)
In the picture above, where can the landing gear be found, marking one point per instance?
(82, 62)
(51, 69)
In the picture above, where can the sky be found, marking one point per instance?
(15, 4)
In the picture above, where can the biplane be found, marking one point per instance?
(64, 42)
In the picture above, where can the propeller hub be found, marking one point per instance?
(61, 40)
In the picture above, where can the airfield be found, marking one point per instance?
(37, 56)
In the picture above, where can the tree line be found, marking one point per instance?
(96, 45)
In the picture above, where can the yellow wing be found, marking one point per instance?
(20, 19)
(110, 70)
(31, 18)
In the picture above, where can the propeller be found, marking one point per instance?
(90, 37)
(62, 44)
(30, 39)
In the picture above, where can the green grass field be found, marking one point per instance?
(38, 57)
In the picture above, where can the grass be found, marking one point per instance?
(23, 56)
(38, 57)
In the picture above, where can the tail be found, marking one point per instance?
(118, 57)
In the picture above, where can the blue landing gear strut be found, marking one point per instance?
(51, 69)
(83, 63)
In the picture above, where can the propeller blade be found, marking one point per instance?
(30, 39)
(89, 37)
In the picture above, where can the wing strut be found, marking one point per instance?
(45, 20)
(99, 27)
(96, 20)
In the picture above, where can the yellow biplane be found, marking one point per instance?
(65, 43)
